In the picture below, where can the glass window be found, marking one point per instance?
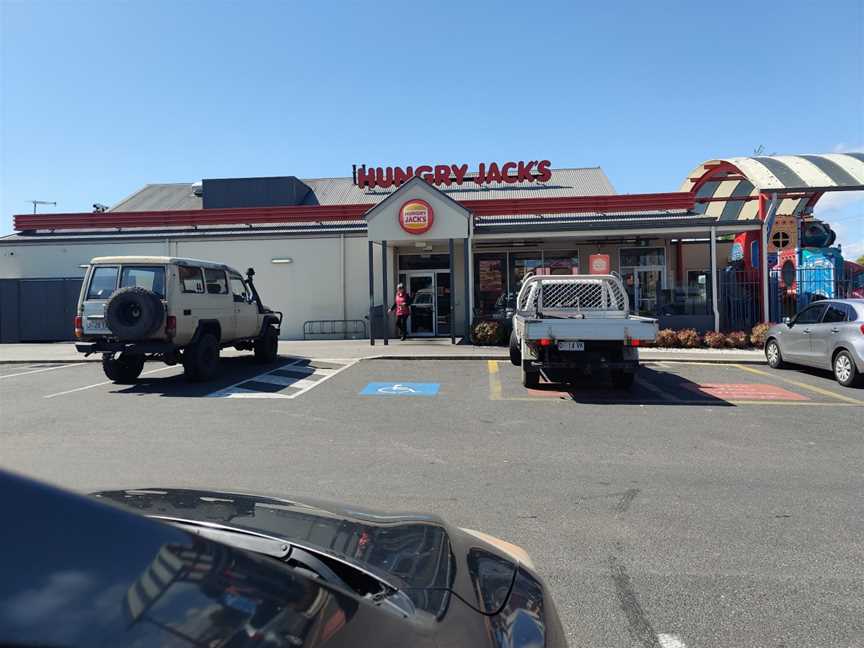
(561, 264)
(150, 277)
(642, 257)
(835, 313)
(811, 315)
(522, 265)
(217, 284)
(424, 261)
(191, 280)
(238, 289)
(491, 281)
(103, 282)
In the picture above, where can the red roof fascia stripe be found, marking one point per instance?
(324, 213)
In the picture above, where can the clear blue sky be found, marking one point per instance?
(100, 98)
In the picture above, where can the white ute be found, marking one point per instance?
(570, 325)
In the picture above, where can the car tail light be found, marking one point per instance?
(545, 342)
(79, 330)
(170, 326)
(862, 329)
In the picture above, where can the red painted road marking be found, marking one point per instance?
(746, 391)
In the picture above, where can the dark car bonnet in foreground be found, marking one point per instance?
(78, 572)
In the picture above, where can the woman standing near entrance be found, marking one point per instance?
(402, 306)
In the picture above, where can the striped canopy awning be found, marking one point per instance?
(729, 189)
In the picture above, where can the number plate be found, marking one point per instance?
(96, 324)
(571, 345)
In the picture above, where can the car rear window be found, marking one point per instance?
(835, 313)
(150, 277)
(102, 282)
(191, 280)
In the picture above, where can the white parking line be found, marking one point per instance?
(99, 384)
(295, 386)
(670, 641)
(63, 366)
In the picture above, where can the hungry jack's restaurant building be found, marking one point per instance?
(328, 252)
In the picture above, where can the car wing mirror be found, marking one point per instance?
(787, 321)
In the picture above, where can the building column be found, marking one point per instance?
(452, 292)
(465, 261)
(384, 291)
(767, 226)
(714, 278)
(371, 295)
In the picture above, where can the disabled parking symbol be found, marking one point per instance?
(400, 389)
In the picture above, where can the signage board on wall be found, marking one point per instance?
(416, 216)
(599, 264)
(450, 174)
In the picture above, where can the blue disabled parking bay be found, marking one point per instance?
(400, 389)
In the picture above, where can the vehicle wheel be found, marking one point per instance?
(845, 370)
(133, 313)
(530, 378)
(515, 350)
(124, 369)
(267, 346)
(622, 379)
(201, 360)
(772, 354)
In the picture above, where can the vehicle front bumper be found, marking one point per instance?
(105, 346)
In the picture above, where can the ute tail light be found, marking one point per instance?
(544, 342)
(633, 342)
(170, 326)
(79, 329)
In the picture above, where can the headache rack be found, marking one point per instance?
(572, 296)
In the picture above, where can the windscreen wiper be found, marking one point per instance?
(316, 564)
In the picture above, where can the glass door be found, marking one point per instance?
(442, 303)
(421, 287)
(644, 286)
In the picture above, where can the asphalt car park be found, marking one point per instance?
(711, 505)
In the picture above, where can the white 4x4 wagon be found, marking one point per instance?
(133, 308)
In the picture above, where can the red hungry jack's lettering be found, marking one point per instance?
(505, 173)
(444, 174)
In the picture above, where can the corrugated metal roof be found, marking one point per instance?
(564, 183)
(160, 197)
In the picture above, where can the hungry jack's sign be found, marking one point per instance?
(449, 174)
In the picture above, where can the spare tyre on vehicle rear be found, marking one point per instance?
(133, 313)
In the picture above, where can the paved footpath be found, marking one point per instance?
(356, 349)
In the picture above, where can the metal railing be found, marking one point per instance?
(347, 329)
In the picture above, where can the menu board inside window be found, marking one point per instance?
(491, 275)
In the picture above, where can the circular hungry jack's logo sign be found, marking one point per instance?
(416, 216)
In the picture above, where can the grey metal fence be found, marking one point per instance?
(344, 329)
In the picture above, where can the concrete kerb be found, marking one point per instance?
(700, 357)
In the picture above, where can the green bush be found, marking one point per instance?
(667, 339)
(758, 333)
(688, 338)
(487, 333)
(715, 340)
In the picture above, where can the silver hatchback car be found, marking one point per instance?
(828, 334)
